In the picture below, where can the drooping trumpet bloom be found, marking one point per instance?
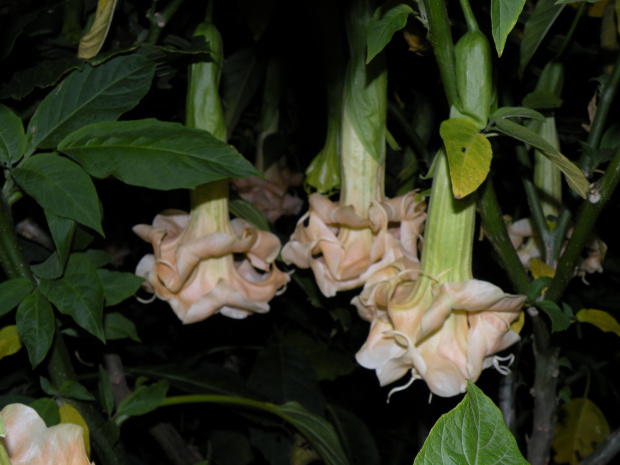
(438, 323)
(204, 263)
(29, 441)
(195, 265)
(345, 242)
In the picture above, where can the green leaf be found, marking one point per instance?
(143, 400)
(45, 74)
(98, 258)
(581, 428)
(36, 324)
(559, 320)
(12, 137)
(602, 320)
(574, 177)
(12, 292)
(118, 326)
(75, 390)
(90, 95)
(155, 154)
(9, 341)
(92, 42)
(516, 112)
(106, 394)
(542, 100)
(249, 212)
(365, 88)
(473, 432)
(79, 293)
(537, 287)
(51, 268)
(47, 386)
(118, 286)
(47, 410)
(469, 154)
(62, 230)
(283, 373)
(504, 16)
(319, 433)
(388, 19)
(61, 187)
(354, 435)
(242, 73)
(536, 28)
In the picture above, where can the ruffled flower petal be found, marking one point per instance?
(29, 442)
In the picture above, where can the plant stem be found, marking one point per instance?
(12, 259)
(571, 31)
(586, 218)
(495, 229)
(440, 36)
(605, 452)
(159, 20)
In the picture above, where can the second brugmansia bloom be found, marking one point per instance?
(346, 242)
(204, 263)
(438, 323)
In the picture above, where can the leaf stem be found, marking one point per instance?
(571, 31)
(12, 259)
(440, 36)
(607, 95)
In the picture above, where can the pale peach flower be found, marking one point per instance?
(434, 320)
(204, 263)
(29, 442)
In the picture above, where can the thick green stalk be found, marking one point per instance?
(12, 259)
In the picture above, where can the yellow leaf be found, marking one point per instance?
(68, 414)
(9, 341)
(92, 42)
(517, 325)
(540, 268)
(602, 320)
(581, 428)
(469, 154)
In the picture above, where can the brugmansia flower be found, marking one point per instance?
(204, 263)
(29, 442)
(344, 243)
(438, 323)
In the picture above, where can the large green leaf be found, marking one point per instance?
(504, 16)
(79, 293)
(354, 435)
(36, 325)
(472, 433)
(118, 286)
(45, 74)
(62, 230)
(118, 326)
(143, 400)
(574, 176)
(536, 28)
(75, 390)
(559, 320)
(242, 73)
(61, 187)
(318, 432)
(469, 154)
(365, 101)
(283, 373)
(602, 320)
(12, 292)
(12, 137)
(154, 154)
(249, 212)
(93, 94)
(388, 19)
